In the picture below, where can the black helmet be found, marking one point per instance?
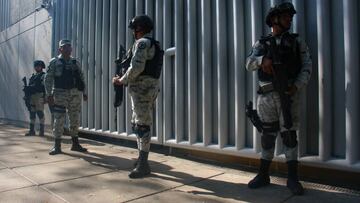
(278, 10)
(39, 63)
(142, 21)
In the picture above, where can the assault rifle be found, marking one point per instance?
(122, 64)
(280, 81)
(27, 93)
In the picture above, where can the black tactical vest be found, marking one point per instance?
(36, 83)
(153, 67)
(288, 53)
(67, 79)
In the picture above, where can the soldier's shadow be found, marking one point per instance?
(109, 161)
(112, 161)
(67, 140)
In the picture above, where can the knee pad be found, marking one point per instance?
(141, 130)
(268, 141)
(57, 109)
(40, 114)
(32, 115)
(289, 138)
(271, 127)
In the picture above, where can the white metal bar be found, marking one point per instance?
(69, 19)
(139, 7)
(159, 27)
(112, 57)
(105, 65)
(221, 66)
(130, 12)
(91, 62)
(149, 9)
(63, 18)
(351, 44)
(122, 31)
(299, 27)
(256, 33)
(239, 71)
(84, 58)
(205, 72)
(179, 70)
(79, 48)
(324, 79)
(57, 25)
(167, 71)
(98, 70)
(73, 24)
(192, 71)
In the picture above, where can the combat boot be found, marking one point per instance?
(41, 132)
(262, 178)
(142, 168)
(137, 161)
(57, 148)
(76, 146)
(31, 131)
(293, 181)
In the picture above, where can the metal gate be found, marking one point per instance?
(204, 84)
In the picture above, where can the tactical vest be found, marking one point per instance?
(36, 83)
(70, 76)
(153, 67)
(289, 55)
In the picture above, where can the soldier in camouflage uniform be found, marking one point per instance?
(37, 98)
(143, 87)
(65, 85)
(297, 64)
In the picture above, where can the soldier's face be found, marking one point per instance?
(285, 20)
(66, 50)
(138, 33)
(38, 68)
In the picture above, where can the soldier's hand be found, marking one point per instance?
(50, 100)
(85, 97)
(116, 80)
(291, 90)
(266, 65)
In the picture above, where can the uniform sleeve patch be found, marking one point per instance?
(141, 45)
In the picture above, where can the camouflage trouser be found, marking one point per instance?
(143, 96)
(37, 108)
(269, 109)
(69, 100)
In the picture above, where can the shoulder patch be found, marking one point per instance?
(53, 60)
(141, 45)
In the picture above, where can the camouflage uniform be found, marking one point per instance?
(284, 66)
(143, 90)
(268, 104)
(66, 98)
(37, 101)
(142, 79)
(64, 82)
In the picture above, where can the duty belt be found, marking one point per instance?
(265, 89)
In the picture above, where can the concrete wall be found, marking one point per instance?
(25, 36)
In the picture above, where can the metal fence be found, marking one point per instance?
(204, 84)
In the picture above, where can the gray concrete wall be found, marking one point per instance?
(24, 37)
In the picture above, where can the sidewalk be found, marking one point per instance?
(29, 174)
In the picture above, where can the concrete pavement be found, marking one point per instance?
(29, 174)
